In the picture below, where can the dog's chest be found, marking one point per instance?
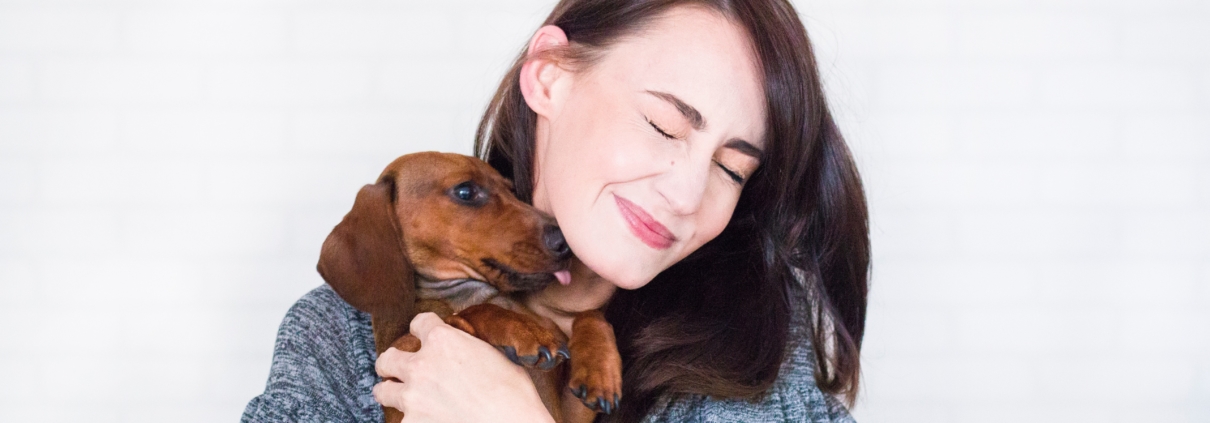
(458, 294)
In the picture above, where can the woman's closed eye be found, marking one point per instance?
(660, 130)
(735, 176)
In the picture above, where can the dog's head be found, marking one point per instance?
(459, 219)
(442, 216)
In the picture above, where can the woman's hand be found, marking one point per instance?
(455, 378)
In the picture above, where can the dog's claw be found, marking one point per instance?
(511, 353)
(529, 360)
(601, 405)
(543, 360)
(598, 405)
(549, 362)
(563, 351)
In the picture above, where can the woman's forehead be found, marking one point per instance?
(701, 58)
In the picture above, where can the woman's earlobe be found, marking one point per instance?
(541, 69)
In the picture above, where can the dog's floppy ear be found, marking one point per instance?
(364, 262)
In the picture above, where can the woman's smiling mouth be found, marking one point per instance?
(643, 226)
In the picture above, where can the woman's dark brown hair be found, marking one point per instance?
(717, 323)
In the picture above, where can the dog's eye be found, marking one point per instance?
(468, 193)
(465, 192)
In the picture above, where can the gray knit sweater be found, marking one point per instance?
(323, 371)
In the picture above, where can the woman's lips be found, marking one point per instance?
(643, 226)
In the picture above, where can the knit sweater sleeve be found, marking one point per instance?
(323, 371)
(794, 397)
(323, 365)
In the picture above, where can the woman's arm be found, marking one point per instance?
(455, 377)
(323, 365)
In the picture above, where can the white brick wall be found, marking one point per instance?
(1038, 173)
(1038, 180)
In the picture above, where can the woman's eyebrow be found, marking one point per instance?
(699, 123)
(695, 118)
(745, 147)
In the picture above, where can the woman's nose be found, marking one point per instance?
(684, 185)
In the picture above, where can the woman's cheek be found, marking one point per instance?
(722, 201)
(635, 154)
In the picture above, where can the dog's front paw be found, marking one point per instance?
(596, 370)
(597, 382)
(521, 338)
(543, 360)
(531, 345)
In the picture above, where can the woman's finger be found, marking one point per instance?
(390, 394)
(424, 323)
(393, 363)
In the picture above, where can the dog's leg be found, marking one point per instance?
(391, 415)
(596, 365)
(408, 343)
(521, 337)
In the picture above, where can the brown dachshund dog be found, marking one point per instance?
(443, 233)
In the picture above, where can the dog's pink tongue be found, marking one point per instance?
(564, 276)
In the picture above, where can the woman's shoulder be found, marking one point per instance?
(794, 397)
(323, 309)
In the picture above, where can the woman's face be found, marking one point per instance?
(641, 157)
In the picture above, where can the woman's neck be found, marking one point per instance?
(560, 303)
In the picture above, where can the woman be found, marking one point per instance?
(687, 152)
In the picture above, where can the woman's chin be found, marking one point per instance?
(627, 280)
(631, 285)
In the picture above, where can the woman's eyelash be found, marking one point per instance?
(733, 174)
(658, 129)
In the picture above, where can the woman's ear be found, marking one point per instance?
(541, 72)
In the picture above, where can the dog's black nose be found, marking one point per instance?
(555, 242)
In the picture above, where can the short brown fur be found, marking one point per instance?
(410, 246)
